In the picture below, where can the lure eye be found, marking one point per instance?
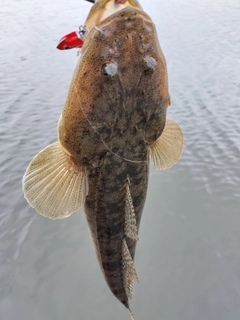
(149, 64)
(109, 70)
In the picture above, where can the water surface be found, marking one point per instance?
(188, 256)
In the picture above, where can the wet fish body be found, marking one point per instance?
(105, 209)
(113, 121)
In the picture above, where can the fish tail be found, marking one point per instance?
(131, 314)
(54, 184)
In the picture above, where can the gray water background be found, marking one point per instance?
(188, 256)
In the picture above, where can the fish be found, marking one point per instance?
(113, 124)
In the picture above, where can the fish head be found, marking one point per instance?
(120, 86)
(122, 59)
(121, 44)
(104, 8)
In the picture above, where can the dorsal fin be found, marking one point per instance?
(130, 217)
(128, 269)
(167, 149)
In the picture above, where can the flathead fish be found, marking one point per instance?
(113, 122)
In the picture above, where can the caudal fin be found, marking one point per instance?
(131, 314)
(167, 149)
(53, 184)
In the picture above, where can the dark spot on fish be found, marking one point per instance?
(113, 231)
(110, 266)
(117, 291)
(110, 253)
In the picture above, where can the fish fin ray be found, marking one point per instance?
(128, 269)
(53, 184)
(167, 149)
(131, 314)
(130, 217)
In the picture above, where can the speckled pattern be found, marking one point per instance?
(124, 113)
(105, 212)
(108, 124)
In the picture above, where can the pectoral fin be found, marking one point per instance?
(53, 184)
(167, 149)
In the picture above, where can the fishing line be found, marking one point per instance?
(79, 101)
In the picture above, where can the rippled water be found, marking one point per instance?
(188, 256)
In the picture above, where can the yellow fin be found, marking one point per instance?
(128, 269)
(53, 184)
(167, 149)
(130, 217)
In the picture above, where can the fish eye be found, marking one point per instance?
(109, 70)
(149, 64)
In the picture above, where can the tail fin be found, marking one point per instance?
(53, 184)
(131, 314)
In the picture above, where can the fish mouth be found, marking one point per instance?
(112, 7)
(103, 10)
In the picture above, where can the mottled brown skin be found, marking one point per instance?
(105, 208)
(108, 125)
